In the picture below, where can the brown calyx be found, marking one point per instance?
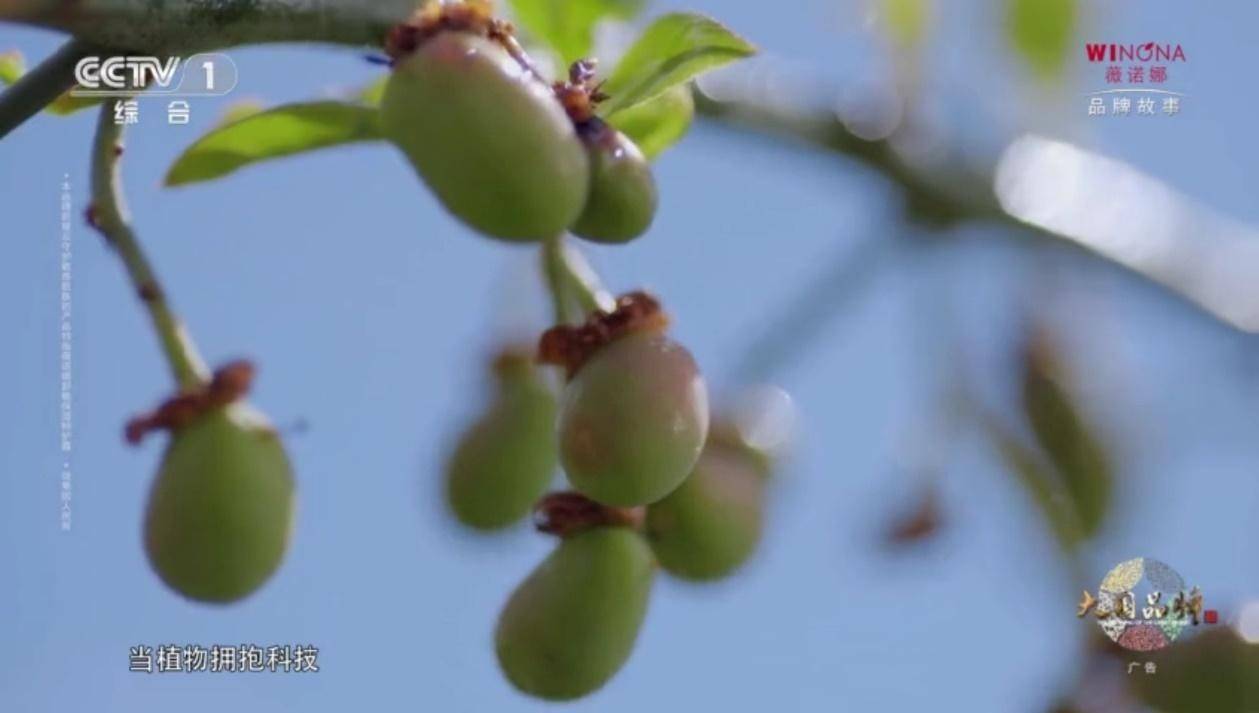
(570, 346)
(229, 383)
(474, 16)
(580, 95)
(919, 525)
(471, 16)
(568, 513)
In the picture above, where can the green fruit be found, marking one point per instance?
(221, 508)
(506, 460)
(622, 200)
(710, 525)
(571, 625)
(487, 136)
(633, 420)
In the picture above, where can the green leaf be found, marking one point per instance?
(67, 104)
(238, 110)
(906, 21)
(568, 26)
(12, 67)
(657, 124)
(1041, 31)
(1078, 455)
(1039, 481)
(672, 50)
(371, 94)
(282, 131)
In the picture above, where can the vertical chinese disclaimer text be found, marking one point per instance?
(65, 338)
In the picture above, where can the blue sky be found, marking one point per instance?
(368, 311)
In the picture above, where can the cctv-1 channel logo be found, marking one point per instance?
(208, 74)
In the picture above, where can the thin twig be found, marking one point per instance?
(108, 215)
(570, 276)
(553, 268)
(585, 281)
(942, 197)
(789, 330)
(40, 86)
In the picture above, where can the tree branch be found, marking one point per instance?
(791, 329)
(40, 86)
(937, 198)
(1050, 190)
(188, 26)
(108, 215)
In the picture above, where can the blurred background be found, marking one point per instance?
(916, 556)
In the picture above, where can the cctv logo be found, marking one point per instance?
(123, 73)
(201, 75)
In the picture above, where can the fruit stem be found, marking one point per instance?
(568, 273)
(553, 268)
(108, 214)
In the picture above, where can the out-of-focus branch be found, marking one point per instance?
(180, 27)
(1040, 188)
(40, 86)
(793, 326)
(188, 26)
(936, 196)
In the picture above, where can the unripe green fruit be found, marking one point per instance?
(622, 199)
(488, 137)
(506, 460)
(633, 420)
(221, 508)
(571, 625)
(711, 524)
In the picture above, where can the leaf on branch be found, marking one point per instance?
(278, 132)
(906, 21)
(1077, 454)
(239, 110)
(658, 123)
(568, 26)
(67, 104)
(1041, 31)
(373, 93)
(673, 49)
(1039, 481)
(12, 67)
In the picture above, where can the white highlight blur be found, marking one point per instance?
(1135, 220)
(1248, 623)
(765, 417)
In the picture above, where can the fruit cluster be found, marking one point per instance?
(653, 486)
(508, 154)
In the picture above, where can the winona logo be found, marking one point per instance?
(1148, 52)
